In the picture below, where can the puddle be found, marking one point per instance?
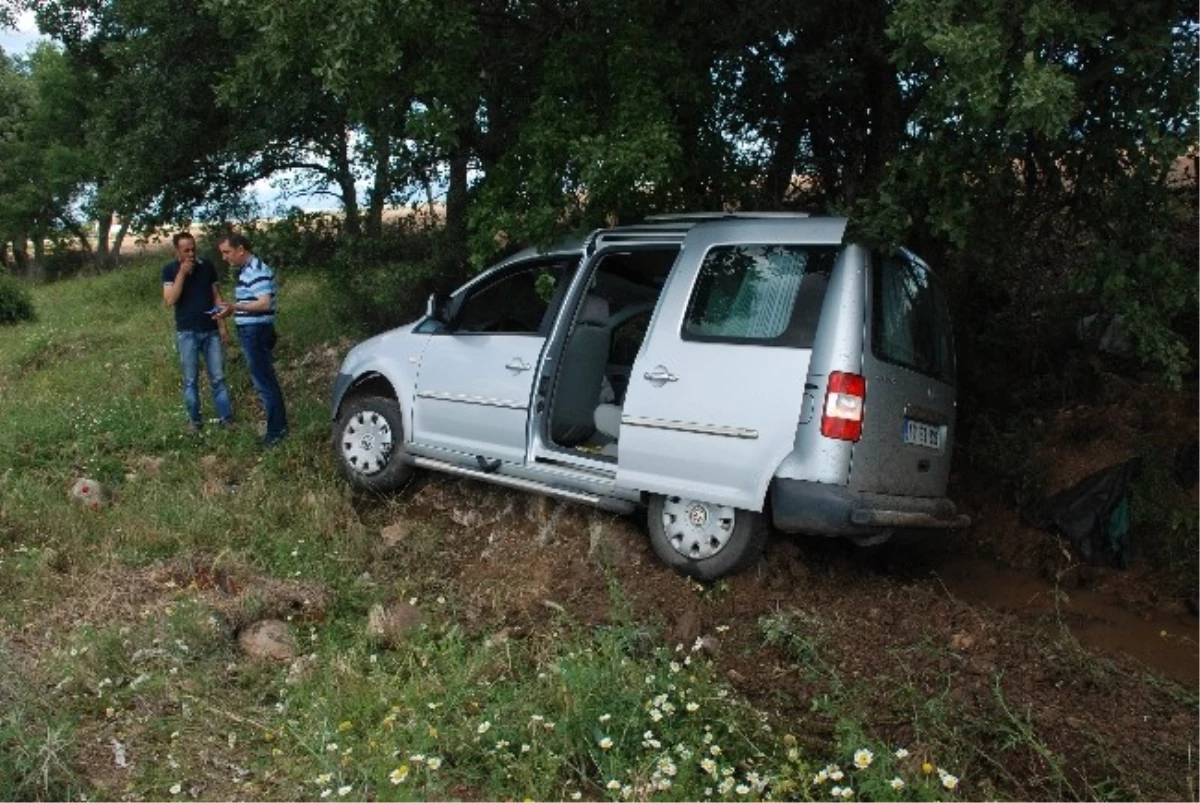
(1161, 639)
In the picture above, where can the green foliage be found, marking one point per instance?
(16, 305)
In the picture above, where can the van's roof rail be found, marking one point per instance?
(696, 217)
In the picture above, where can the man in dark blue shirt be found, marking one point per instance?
(190, 285)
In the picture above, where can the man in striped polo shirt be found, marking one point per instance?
(254, 312)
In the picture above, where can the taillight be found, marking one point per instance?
(843, 414)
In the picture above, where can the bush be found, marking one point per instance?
(16, 305)
(380, 283)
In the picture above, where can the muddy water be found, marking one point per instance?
(1163, 639)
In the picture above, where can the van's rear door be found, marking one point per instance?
(717, 388)
(908, 362)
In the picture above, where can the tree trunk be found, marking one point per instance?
(122, 230)
(103, 228)
(456, 209)
(383, 185)
(21, 259)
(344, 176)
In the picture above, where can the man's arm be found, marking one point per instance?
(173, 290)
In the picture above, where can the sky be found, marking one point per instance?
(17, 42)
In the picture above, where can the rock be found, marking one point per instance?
(605, 546)
(389, 626)
(300, 669)
(498, 639)
(268, 640)
(686, 629)
(87, 492)
(962, 641)
(394, 533)
(709, 645)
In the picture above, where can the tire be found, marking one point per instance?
(704, 540)
(368, 438)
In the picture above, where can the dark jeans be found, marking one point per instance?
(258, 344)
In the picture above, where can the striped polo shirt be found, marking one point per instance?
(254, 280)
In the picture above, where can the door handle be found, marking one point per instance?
(517, 364)
(660, 374)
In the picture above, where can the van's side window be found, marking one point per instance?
(767, 295)
(910, 323)
(516, 302)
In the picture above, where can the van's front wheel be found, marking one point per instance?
(368, 438)
(704, 540)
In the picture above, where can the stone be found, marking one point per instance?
(388, 626)
(268, 640)
(394, 533)
(88, 493)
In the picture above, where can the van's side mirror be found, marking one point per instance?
(437, 308)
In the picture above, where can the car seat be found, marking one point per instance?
(581, 374)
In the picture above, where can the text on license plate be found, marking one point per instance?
(922, 434)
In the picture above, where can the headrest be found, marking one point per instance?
(595, 311)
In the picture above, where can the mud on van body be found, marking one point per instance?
(727, 373)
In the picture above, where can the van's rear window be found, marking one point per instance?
(910, 323)
(764, 295)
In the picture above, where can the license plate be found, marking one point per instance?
(919, 433)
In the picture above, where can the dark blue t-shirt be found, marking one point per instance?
(196, 298)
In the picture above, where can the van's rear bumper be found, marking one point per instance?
(813, 507)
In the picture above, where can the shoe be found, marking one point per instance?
(273, 440)
(195, 427)
(225, 423)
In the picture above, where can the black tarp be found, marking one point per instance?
(1093, 513)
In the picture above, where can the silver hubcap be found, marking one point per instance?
(367, 442)
(697, 530)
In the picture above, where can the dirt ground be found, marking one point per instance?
(1069, 680)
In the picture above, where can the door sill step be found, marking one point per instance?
(608, 503)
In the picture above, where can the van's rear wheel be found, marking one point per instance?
(705, 540)
(368, 437)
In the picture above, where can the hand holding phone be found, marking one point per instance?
(213, 312)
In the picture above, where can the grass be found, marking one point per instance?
(121, 676)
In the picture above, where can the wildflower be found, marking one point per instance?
(949, 781)
(344, 790)
(176, 788)
(674, 667)
(863, 758)
(896, 783)
(326, 793)
(331, 747)
(605, 717)
(398, 775)
(742, 789)
(715, 750)
(847, 793)
(606, 743)
(708, 765)
(820, 778)
(693, 707)
(655, 715)
(577, 795)
(433, 763)
(484, 727)
(525, 748)
(901, 754)
(345, 725)
(613, 785)
(698, 645)
(836, 775)
(836, 791)
(667, 767)
(417, 758)
(536, 718)
(323, 779)
(927, 768)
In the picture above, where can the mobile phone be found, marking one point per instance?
(212, 311)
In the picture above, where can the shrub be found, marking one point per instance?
(16, 305)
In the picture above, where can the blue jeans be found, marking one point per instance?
(258, 344)
(191, 346)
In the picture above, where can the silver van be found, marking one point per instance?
(726, 372)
